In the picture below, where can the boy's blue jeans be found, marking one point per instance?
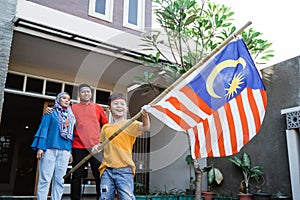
(120, 180)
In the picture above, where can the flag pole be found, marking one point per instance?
(159, 97)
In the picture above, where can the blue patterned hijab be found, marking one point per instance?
(66, 118)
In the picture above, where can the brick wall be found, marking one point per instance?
(80, 9)
(7, 13)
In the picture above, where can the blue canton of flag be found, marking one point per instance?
(229, 73)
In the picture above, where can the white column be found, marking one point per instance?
(293, 145)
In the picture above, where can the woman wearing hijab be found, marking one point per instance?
(53, 143)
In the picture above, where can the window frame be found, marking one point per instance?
(141, 13)
(43, 94)
(108, 10)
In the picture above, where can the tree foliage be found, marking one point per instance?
(190, 31)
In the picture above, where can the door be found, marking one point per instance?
(20, 119)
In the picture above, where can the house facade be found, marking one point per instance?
(53, 46)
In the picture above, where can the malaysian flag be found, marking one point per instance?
(221, 104)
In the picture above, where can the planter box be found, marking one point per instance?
(142, 197)
(187, 197)
(165, 198)
(262, 196)
(150, 197)
(225, 198)
(282, 197)
(180, 197)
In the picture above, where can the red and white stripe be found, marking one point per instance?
(181, 110)
(228, 129)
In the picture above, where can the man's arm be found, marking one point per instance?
(102, 116)
(48, 110)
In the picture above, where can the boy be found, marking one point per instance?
(118, 169)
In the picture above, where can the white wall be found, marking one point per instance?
(167, 159)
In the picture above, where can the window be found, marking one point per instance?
(102, 97)
(34, 85)
(41, 87)
(72, 90)
(134, 14)
(53, 88)
(102, 9)
(14, 81)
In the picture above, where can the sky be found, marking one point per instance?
(277, 20)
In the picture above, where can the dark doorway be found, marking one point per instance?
(20, 119)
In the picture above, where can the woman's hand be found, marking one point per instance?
(71, 159)
(40, 154)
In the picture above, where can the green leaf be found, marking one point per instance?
(246, 160)
(211, 176)
(189, 159)
(151, 75)
(218, 176)
(190, 19)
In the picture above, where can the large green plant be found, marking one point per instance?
(189, 32)
(249, 172)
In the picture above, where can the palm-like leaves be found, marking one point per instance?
(249, 172)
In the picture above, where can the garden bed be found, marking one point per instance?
(179, 197)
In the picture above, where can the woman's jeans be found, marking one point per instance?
(119, 179)
(53, 166)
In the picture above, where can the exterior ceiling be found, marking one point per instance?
(73, 61)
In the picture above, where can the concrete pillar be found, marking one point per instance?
(7, 14)
(293, 145)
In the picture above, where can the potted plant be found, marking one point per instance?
(260, 194)
(214, 177)
(249, 173)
